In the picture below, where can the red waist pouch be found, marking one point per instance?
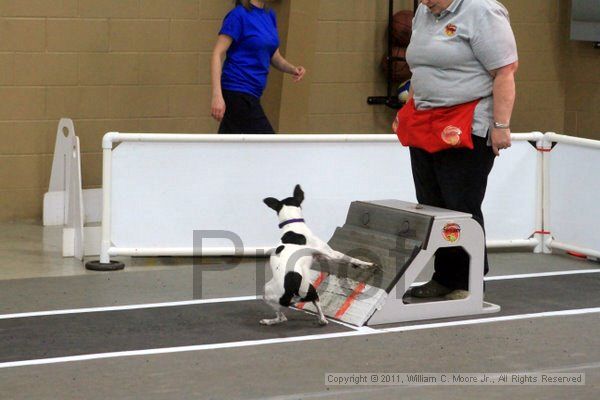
(436, 129)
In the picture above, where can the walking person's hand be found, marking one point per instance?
(299, 73)
(218, 108)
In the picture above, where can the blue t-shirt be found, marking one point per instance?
(255, 40)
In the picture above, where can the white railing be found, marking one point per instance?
(147, 214)
(160, 188)
(572, 195)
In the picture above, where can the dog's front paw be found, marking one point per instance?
(362, 264)
(371, 266)
(273, 321)
(323, 322)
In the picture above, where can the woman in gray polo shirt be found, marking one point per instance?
(461, 51)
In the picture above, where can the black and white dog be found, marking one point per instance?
(292, 259)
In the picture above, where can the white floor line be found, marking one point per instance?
(129, 307)
(532, 275)
(356, 328)
(249, 343)
(542, 274)
(248, 298)
(181, 349)
(546, 314)
(335, 321)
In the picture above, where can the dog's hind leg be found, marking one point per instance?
(278, 319)
(313, 297)
(272, 299)
(322, 320)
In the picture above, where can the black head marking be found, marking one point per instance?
(290, 201)
(293, 238)
(273, 203)
(295, 201)
(279, 249)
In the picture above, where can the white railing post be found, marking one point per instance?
(546, 159)
(105, 264)
(543, 231)
(106, 180)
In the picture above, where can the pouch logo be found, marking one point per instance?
(450, 30)
(451, 232)
(451, 135)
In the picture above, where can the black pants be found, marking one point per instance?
(455, 179)
(243, 114)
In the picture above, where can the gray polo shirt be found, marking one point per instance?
(450, 56)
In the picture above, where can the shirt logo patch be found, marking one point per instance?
(451, 135)
(450, 30)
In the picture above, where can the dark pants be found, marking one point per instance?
(243, 114)
(455, 179)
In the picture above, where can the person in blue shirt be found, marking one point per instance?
(247, 45)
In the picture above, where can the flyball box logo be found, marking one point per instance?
(451, 232)
(450, 30)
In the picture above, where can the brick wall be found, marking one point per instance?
(557, 82)
(582, 108)
(128, 65)
(541, 78)
(143, 65)
(351, 40)
(582, 84)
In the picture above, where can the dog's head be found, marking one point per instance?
(287, 208)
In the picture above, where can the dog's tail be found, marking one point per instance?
(291, 285)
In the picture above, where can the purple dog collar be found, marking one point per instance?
(290, 221)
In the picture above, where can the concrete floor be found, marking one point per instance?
(34, 277)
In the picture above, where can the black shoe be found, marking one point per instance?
(430, 289)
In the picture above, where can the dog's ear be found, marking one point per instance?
(273, 203)
(298, 194)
